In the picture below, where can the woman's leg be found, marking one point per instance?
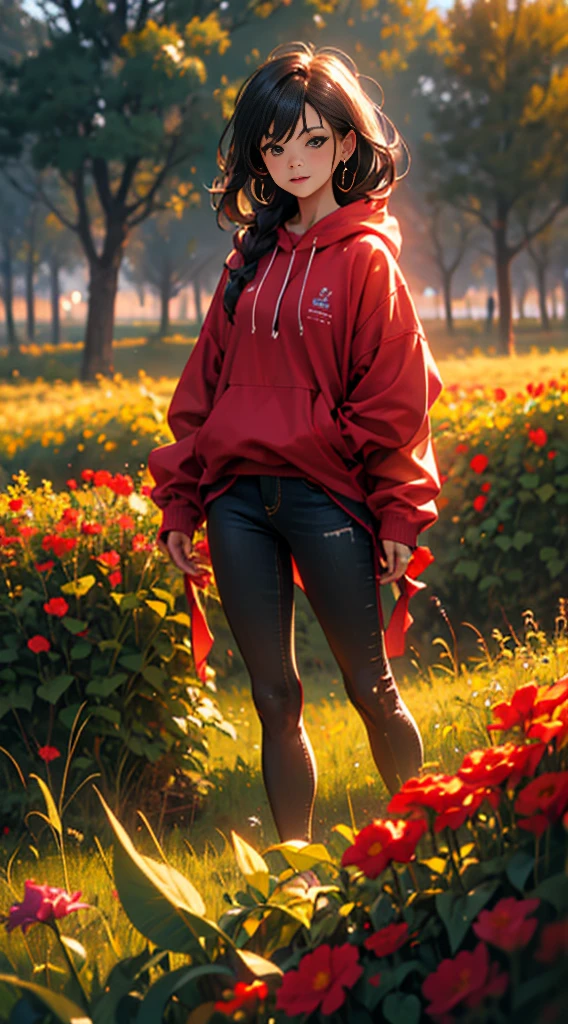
(253, 572)
(334, 555)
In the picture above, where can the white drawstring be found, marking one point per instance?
(275, 318)
(260, 286)
(301, 326)
(282, 290)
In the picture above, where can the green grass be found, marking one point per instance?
(452, 714)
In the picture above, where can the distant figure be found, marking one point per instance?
(490, 313)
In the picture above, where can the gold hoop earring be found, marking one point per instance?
(354, 173)
(261, 198)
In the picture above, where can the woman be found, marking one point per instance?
(301, 418)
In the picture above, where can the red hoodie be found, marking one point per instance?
(325, 373)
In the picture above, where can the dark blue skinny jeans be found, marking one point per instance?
(253, 529)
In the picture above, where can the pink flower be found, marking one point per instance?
(506, 926)
(42, 903)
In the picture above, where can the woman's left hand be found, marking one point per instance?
(398, 556)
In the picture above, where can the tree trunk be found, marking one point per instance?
(97, 354)
(165, 296)
(503, 270)
(565, 289)
(55, 299)
(522, 293)
(447, 286)
(541, 285)
(8, 275)
(30, 297)
(197, 296)
(554, 303)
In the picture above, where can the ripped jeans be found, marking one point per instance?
(253, 528)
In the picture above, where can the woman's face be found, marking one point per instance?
(308, 155)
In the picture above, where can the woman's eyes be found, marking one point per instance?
(315, 138)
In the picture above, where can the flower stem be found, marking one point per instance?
(73, 970)
(397, 886)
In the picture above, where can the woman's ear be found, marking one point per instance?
(348, 145)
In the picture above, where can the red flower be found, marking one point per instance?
(506, 926)
(538, 437)
(416, 793)
(486, 487)
(122, 484)
(494, 765)
(467, 978)
(61, 545)
(91, 528)
(479, 502)
(479, 463)
(126, 522)
(49, 754)
(42, 903)
(544, 800)
(320, 980)
(245, 997)
(110, 558)
(70, 515)
(461, 448)
(102, 478)
(509, 714)
(140, 542)
(87, 474)
(388, 939)
(147, 490)
(15, 504)
(44, 566)
(72, 484)
(381, 842)
(499, 394)
(56, 606)
(39, 643)
(27, 531)
(551, 454)
(115, 578)
(553, 942)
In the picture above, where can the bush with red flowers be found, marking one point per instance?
(102, 622)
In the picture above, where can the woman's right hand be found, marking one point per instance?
(178, 547)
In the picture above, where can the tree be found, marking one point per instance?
(116, 105)
(499, 112)
(12, 215)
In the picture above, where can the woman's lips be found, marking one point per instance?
(303, 178)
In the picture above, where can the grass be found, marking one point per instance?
(452, 714)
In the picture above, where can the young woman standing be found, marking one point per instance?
(302, 416)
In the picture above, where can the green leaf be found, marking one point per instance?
(79, 651)
(545, 554)
(554, 890)
(458, 910)
(529, 481)
(253, 866)
(302, 855)
(399, 1008)
(74, 945)
(52, 812)
(182, 618)
(110, 645)
(489, 581)
(80, 587)
(54, 688)
(562, 481)
(521, 539)
(503, 542)
(74, 625)
(519, 867)
(468, 568)
(544, 984)
(104, 687)
(555, 567)
(153, 1006)
(164, 595)
(8, 657)
(65, 1011)
(154, 675)
(546, 492)
(133, 662)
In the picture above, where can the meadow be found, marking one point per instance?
(451, 700)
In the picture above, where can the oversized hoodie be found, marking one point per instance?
(325, 373)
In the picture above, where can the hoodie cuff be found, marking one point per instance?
(177, 517)
(395, 527)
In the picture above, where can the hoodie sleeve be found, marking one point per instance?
(174, 467)
(393, 383)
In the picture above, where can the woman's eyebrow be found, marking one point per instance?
(314, 128)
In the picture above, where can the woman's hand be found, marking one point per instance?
(398, 556)
(180, 549)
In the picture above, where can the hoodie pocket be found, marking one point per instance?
(326, 424)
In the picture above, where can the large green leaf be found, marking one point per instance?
(458, 910)
(159, 901)
(302, 855)
(155, 1002)
(252, 865)
(399, 1008)
(65, 1011)
(55, 688)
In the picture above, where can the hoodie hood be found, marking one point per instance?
(364, 216)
